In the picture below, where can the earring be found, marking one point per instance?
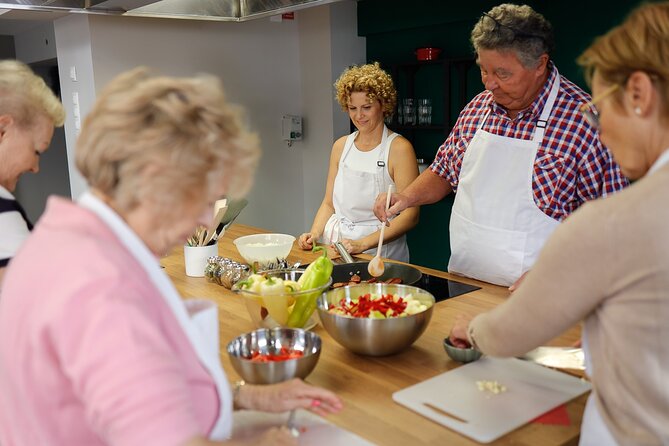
(637, 111)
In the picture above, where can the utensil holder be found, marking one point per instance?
(195, 258)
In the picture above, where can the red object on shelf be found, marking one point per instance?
(288, 16)
(427, 53)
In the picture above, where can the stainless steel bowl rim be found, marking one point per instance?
(323, 297)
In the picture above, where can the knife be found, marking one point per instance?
(290, 424)
(557, 357)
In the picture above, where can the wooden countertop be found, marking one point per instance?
(366, 384)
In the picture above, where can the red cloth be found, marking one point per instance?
(558, 416)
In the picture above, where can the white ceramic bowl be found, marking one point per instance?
(266, 249)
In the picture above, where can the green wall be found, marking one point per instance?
(395, 28)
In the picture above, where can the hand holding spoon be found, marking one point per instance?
(375, 266)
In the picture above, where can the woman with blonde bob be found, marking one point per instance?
(363, 165)
(101, 349)
(29, 111)
(608, 264)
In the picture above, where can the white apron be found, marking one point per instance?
(594, 431)
(353, 197)
(496, 229)
(197, 318)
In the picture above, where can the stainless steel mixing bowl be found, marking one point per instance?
(270, 341)
(374, 337)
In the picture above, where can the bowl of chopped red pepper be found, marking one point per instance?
(376, 319)
(268, 356)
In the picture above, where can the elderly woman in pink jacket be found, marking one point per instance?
(96, 346)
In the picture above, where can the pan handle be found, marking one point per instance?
(346, 257)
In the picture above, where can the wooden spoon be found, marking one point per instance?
(375, 266)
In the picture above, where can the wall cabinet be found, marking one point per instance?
(444, 81)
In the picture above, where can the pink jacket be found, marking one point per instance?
(90, 354)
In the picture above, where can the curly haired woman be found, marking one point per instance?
(363, 165)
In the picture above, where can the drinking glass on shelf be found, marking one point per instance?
(424, 111)
(409, 111)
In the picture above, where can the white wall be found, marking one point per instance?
(271, 68)
(36, 45)
(328, 44)
(74, 51)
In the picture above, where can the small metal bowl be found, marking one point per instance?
(463, 355)
(270, 341)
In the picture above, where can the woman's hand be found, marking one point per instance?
(458, 336)
(276, 436)
(353, 246)
(288, 395)
(307, 240)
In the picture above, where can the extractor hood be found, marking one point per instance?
(222, 10)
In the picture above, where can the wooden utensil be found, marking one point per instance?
(376, 266)
(212, 228)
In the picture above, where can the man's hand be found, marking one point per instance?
(398, 203)
(517, 283)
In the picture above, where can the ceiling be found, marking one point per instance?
(17, 21)
(18, 16)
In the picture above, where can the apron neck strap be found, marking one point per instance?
(548, 108)
(540, 128)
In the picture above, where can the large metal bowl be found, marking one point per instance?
(270, 341)
(374, 337)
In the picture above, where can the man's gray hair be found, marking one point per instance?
(518, 28)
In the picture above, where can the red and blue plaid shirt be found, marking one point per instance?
(571, 166)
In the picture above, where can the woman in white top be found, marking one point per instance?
(363, 165)
(29, 110)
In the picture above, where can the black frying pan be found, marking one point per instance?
(344, 271)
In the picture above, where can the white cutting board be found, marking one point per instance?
(532, 390)
(315, 429)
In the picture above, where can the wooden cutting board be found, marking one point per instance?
(531, 390)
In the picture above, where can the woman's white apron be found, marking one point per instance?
(353, 197)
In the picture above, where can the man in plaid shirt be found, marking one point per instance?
(521, 156)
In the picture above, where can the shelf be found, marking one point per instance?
(451, 74)
(417, 127)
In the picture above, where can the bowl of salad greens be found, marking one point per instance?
(286, 297)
